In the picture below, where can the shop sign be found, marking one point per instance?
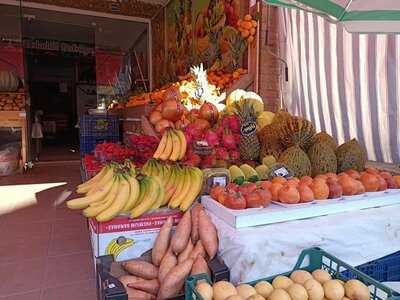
(60, 46)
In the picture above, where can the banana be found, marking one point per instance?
(177, 185)
(106, 178)
(148, 200)
(171, 186)
(134, 194)
(168, 147)
(94, 179)
(160, 196)
(176, 146)
(84, 202)
(143, 188)
(161, 146)
(118, 204)
(179, 195)
(183, 143)
(196, 186)
(93, 210)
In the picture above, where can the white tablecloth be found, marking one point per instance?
(354, 237)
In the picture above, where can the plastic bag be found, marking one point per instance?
(9, 158)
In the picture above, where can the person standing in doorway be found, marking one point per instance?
(37, 133)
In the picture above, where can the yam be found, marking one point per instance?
(185, 254)
(208, 234)
(297, 292)
(181, 237)
(281, 282)
(141, 269)
(168, 262)
(279, 294)
(149, 286)
(321, 276)
(161, 243)
(126, 279)
(195, 222)
(314, 289)
(300, 276)
(198, 250)
(134, 294)
(174, 280)
(200, 266)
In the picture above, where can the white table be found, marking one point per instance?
(355, 237)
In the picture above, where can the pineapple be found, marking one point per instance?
(249, 145)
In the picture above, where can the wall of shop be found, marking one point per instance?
(270, 67)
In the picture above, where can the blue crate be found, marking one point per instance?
(99, 125)
(88, 143)
(383, 269)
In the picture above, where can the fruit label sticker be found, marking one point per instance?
(281, 172)
(248, 128)
(219, 181)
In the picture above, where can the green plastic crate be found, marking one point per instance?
(310, 260)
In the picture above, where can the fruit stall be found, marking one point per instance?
(210, 196)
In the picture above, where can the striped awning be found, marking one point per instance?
(363, 16)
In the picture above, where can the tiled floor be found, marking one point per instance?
(45, 250)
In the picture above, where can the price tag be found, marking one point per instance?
(281, 172)
(219, 181)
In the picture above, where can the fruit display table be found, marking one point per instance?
(357, 237)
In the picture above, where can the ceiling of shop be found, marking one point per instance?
(106, 33)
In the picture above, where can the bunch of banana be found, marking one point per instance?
(182, 184)
(114, 190)
(172, 146)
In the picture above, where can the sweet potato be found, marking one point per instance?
(141, 269)
(149, 286)
(134, 294)
(200, 266)
(198, 250)
(195, 223)
(175, 280)
(208, 234)
(168, 262)
(126, 279)
(185, 254)
(161, 243)
(181, 237)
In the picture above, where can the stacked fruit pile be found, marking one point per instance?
(174, 257)
(12, 102)
(300, 286)
(224, 80)
(247, 28)
(118, 188)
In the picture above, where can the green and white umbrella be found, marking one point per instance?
(364, 16)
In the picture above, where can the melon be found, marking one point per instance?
(351, 155)
(297, 161)
(296, 131)
(324, 137)
(323, 159)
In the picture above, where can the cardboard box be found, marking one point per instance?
(127, 238)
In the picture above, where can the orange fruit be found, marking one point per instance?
(306, 180)
(280, 180)
(320, 189)
(306, 193)
(349, 185)
(275, 188)
(289, 194)
(370, 182)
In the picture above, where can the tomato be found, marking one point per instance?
(232, 187)
(264, 198)
(247, 188)
(216, 190)
(234, 201)
(266, 185)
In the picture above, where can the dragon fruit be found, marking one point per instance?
(211, 138)
(234, 155)
(221, 153)
(228, 140)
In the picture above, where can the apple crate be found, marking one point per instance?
(311, 260)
